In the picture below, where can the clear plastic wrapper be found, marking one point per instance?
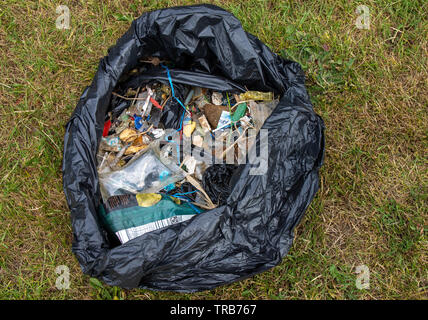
(261, 111)
(145, 173)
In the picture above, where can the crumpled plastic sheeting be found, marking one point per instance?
(216, 182)
(254, 230)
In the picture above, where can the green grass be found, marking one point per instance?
(370, 87)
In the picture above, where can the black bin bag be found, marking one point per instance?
(253, 231)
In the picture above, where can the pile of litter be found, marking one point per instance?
(168, 150)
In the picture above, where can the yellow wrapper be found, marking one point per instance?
(256, 95)
(134, 149)
(148, 199)
(189, 128)
(128, 135)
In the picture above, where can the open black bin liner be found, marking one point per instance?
(254, 230)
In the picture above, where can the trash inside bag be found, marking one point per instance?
(186, 168)
(216, 181)
(138, 154)
(145, 173)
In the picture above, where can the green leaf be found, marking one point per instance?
(94, 282)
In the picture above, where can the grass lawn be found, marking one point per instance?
(369, 85)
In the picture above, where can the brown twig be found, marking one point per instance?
(164, 103)
(233, 144)
(136, 96)
(238, 103)
(126, 98)
(202, 206)
(197, 185)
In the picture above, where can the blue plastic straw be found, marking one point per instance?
(188, 202)
(184, 193)
(172, 87)
(178, 100)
